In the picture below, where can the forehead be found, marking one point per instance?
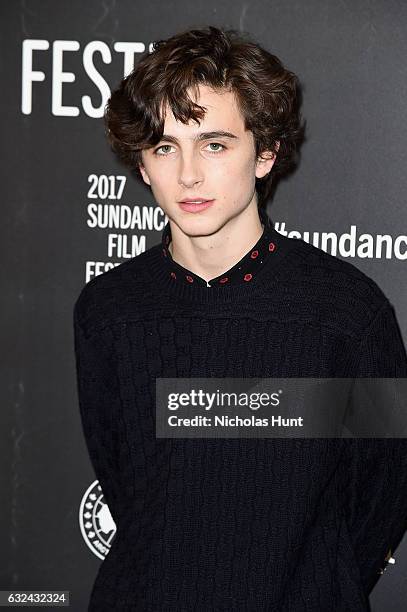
(221, 112)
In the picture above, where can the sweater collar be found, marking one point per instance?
(242, 272)
(159, 270)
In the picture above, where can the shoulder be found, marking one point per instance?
(107, 297)
(335, 290)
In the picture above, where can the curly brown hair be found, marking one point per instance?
(267, 94)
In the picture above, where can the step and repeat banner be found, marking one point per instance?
(70, 212)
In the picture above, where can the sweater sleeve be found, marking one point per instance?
(376, 506)
(99, 400)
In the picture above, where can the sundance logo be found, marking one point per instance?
(97, 525)
(352, 243)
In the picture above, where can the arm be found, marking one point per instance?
(99, 405)
(376, 505)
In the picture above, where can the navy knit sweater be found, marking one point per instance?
(237, 524)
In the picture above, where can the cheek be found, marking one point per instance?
(237, 174)
(162, 178)
(164, 187)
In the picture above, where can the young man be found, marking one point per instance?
(238, 523)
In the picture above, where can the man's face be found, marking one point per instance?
(219, 168)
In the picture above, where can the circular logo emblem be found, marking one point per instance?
(97, 525)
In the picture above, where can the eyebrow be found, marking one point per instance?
(203, 136)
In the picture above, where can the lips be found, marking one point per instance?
(195, 206)
(195, 200)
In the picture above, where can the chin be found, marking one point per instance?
(195, 226)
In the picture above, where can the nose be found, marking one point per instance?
(190, 169)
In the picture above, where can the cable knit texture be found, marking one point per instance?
(237, 524)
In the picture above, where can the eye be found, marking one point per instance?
(162, 147)
(217, 144)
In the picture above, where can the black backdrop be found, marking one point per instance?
(57, 170)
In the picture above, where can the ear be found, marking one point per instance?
(265, 162)
(144, 173)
